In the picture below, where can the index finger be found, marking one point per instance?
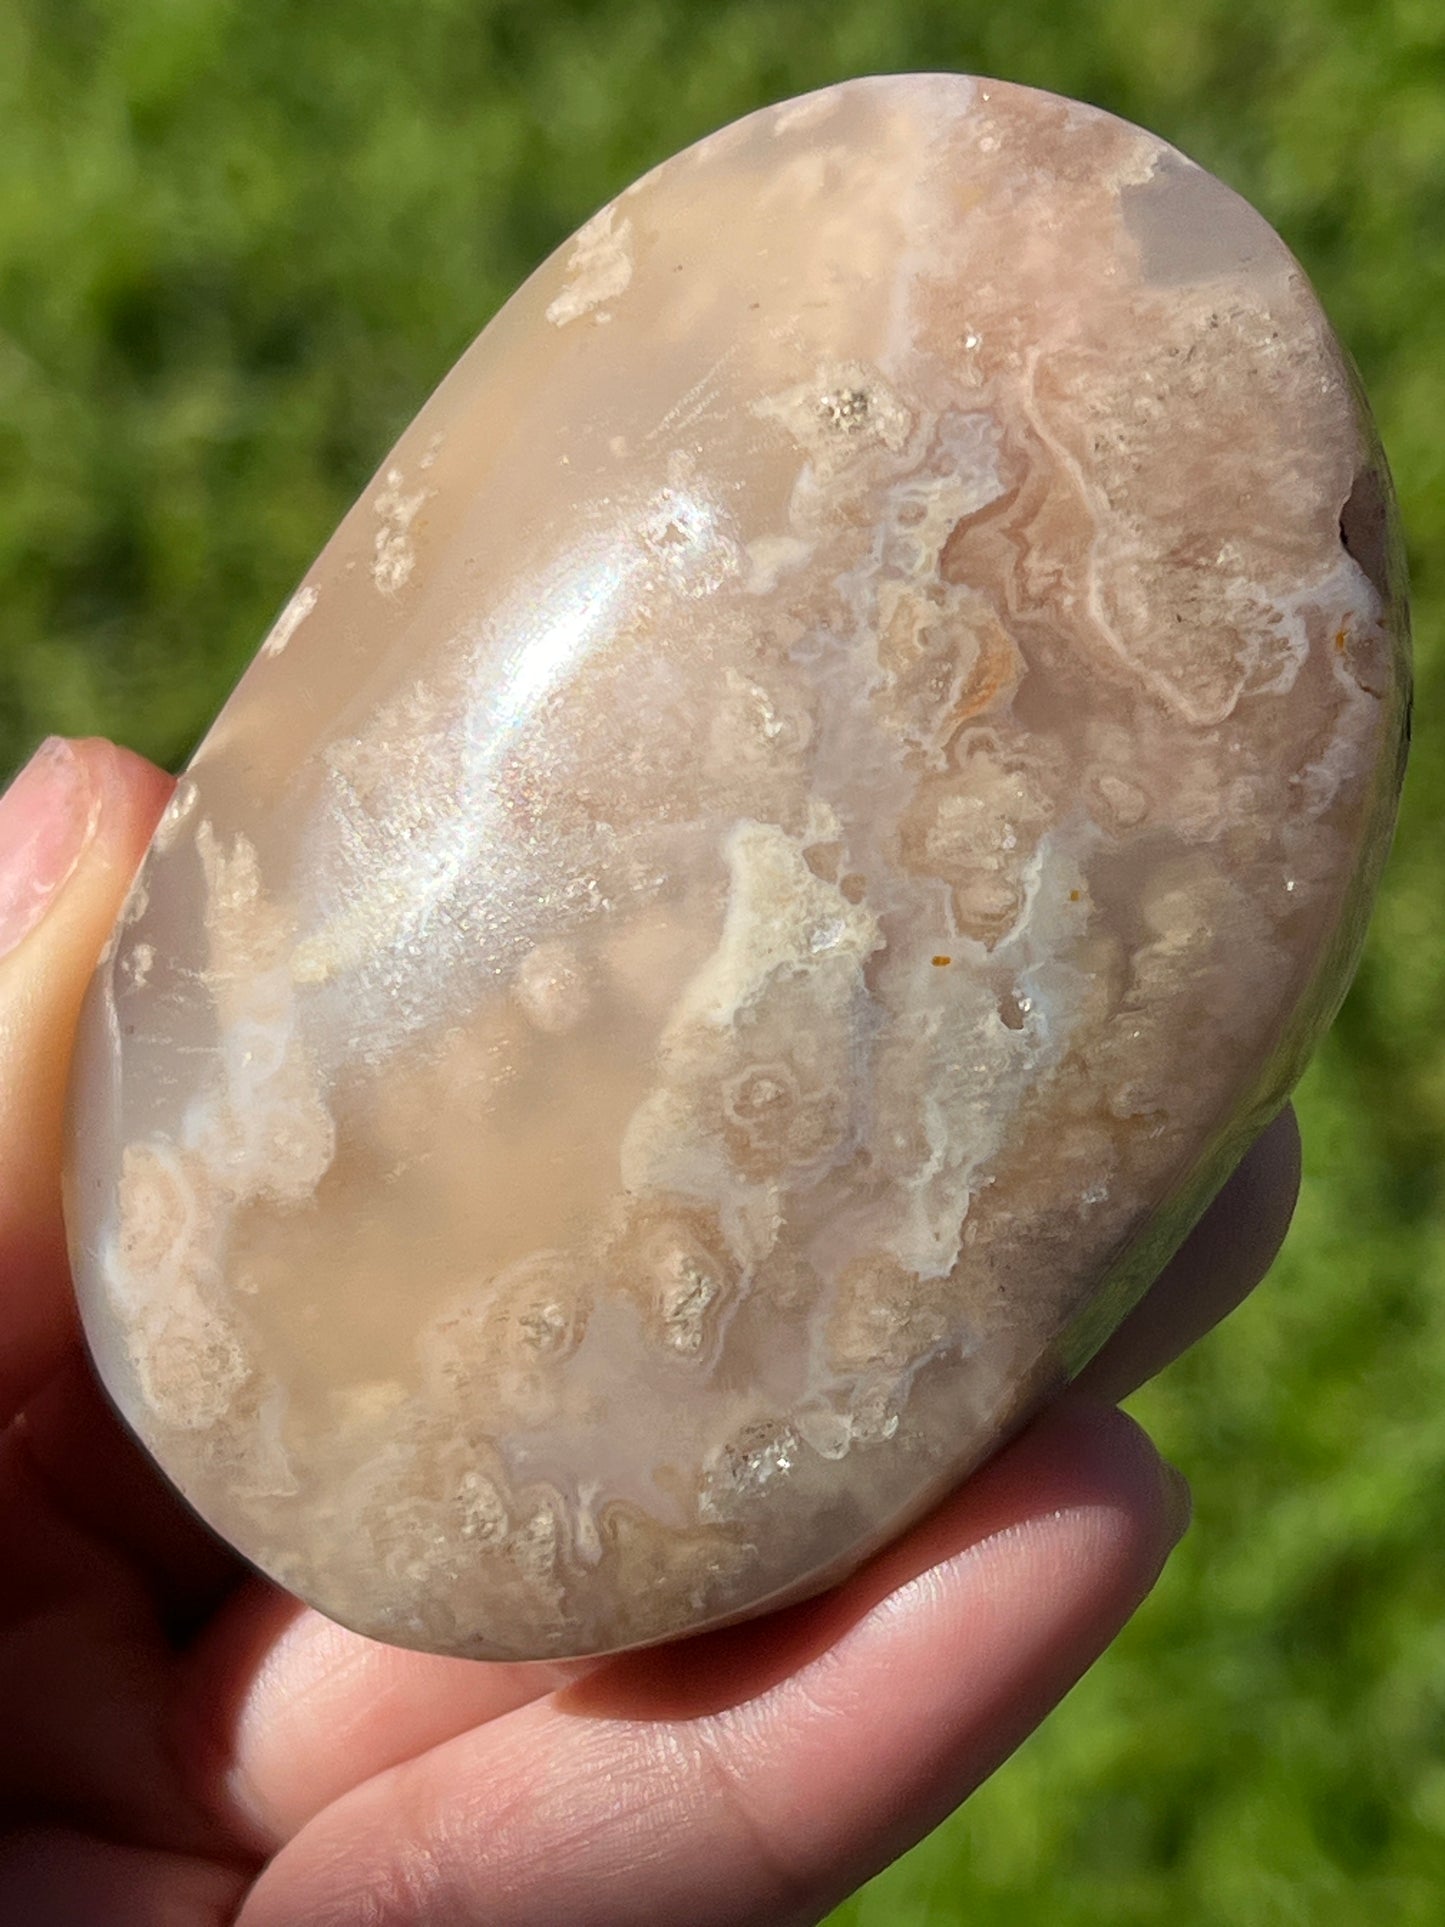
(74, 826)
(1220, 1263)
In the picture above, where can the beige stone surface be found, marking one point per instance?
(772, 864)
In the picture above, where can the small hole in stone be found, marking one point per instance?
(1012, 1010)
(1365, 530)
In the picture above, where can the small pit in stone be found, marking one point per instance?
(1364, 527)
(1013, 1010)
(845, 408)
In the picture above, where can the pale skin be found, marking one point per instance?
(185, 1746)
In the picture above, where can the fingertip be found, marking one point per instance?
(759, 1773)
(135, 789)
(1084, 1475)
(74, 826)
(1218, 1265)
(131, 793)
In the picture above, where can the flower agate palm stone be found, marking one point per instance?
(758, 886)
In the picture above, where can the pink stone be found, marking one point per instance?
(771, 867)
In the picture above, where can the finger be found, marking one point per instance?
(287, 1711)
(106, 1485)
(304, 1681)
(310, 1709)
(291, 1682)
(757, 1775)
(73, 828)
(1221, 1262)
(55, 1878)
(86, 1677)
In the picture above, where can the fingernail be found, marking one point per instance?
(1178, 1499)
(47, 817)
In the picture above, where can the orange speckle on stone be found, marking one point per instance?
(941, 961)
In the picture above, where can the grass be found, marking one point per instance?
(238, 245)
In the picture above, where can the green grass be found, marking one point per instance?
(238, 244)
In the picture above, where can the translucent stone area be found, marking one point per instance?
(814, 806)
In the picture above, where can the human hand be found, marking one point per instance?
(185, 1745)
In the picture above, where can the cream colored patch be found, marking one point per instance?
(551, 986)
(600, 265)
(290, 620)
(394, 554)
(246, 935)
(779, 917)
(162, 1222)
(189, 1368)
(177, 813)
(260, 1131)
(809, 111)
(846, 411)
(137, 902)
(364, 1407)
(160, 1266)
(770, 558)
(757, 1062)
(267, 1131)
(139, 965)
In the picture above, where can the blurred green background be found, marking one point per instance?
(239, 242)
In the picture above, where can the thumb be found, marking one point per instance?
(74, 826)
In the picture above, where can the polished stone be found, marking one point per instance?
(769, 869)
